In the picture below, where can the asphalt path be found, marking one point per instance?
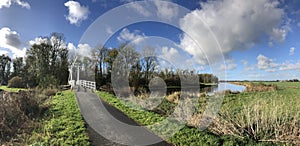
(108, 126)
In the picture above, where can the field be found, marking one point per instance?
(250, 118)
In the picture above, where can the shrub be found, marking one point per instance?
(49, 92)
(18, 111)
(16, 82)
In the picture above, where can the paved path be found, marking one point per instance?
(106, 122)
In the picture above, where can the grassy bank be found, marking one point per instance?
(62, 124)
(38, 117)
(262, 116)
(5, 88)
(250, 118)
(186, 136)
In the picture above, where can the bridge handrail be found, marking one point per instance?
(87, 84)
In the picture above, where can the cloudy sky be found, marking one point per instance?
(252, 40)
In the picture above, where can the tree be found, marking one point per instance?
(149, 62)
(48, 62)
(18, 67)
(99, 55)
(4, 68)
(109, 59)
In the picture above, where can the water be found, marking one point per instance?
(227, 86)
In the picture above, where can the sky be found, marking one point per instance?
(233, 39)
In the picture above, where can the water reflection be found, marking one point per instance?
(210, 89)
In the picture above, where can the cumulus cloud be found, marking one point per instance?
(139, 8)
(165, 10)
(134, 37)
(109, 30)
(298, 24)
(290, 66)
(236, 25)
(292, 51)
(229, 65)
(264, 63)
(11, 40)
(39, 40)
(8, 3)
(247, 66)
(82, 50)
(4, 52)
(77, 13)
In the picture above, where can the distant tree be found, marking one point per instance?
(4, 68)
(109, 59)
(148, 62)
(100, 54)
(18, 67)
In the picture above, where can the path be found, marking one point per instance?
(112, 123)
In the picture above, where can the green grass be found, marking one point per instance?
(62, 124)
(185, 136)
(251, 118)
(263, 116)
(5, 88)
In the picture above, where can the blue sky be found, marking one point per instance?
(234, 39)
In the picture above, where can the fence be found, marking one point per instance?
(87, 84)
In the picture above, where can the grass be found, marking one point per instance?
(62, 124)
(250, 118)
(262, 116)
(5, 88)
(185, 136)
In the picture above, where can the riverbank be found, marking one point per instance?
(248, 118)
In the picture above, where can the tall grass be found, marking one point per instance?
(267, 117)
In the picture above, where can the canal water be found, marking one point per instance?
(227, 86)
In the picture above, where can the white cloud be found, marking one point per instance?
(39, 40)
(109, 30)
(264, 63)
(278, 34)
(4, 52)
(298, 24)
(290, 66)
(246, 65)
(127, 36)
(11, 40)
(165, 10)
(82, 50)
(77, 13)
(139, 8)
(8, 3)
(170, 54)
(52, 41)
(292, 51)
(229, 65)
(236, 24)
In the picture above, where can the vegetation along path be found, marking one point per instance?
(111, 123)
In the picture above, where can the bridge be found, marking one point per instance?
(83, 83)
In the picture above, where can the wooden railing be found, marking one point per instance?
(87, 84)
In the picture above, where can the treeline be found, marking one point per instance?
(139, 68)
(46, 63)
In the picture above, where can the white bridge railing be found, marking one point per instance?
(87, 84)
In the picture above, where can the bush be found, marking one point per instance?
(18, 110)
(49, 92)
(16, 82)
